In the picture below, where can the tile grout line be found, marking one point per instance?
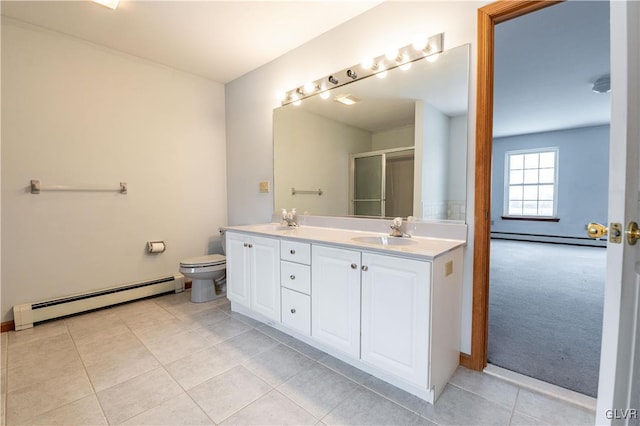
(513, 409)
(84, 367)
(161, 365)
(485, 398)
(186, 392)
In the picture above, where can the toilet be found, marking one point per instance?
(208, 275)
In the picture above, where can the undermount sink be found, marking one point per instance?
(384, 240)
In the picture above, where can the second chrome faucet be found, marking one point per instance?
(396, 229)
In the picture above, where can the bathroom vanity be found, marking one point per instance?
(388, 306)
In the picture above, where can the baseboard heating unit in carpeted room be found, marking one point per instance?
(545, 311)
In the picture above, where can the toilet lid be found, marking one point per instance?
(203, 261)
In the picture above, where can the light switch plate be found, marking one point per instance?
(264, 186)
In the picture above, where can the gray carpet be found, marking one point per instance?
(545, 311)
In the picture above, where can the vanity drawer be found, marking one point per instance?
(295, 252)
(296, 311)
(295, 276)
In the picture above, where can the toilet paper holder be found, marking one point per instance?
(156, 247)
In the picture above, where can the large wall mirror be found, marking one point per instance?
(379, 147)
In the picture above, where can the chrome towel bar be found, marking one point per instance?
(37, 187)
(301, 191)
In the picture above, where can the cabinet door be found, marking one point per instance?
(238, 274)
(395, 316)
(265, 272)
(335, 298)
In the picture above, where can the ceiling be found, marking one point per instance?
(219, 40)
(545, 62)
(545, 65)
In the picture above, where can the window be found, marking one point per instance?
(530, 183)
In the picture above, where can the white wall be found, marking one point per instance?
(401, 137)
(457, 151)
(251, 99)
(303, 139)
(75, 113)
(435, 172)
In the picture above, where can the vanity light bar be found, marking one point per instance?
(380, 64)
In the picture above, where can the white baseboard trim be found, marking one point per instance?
(542, 387)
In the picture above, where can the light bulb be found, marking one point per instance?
(382, 73)
(420, 42)
(324, 94)
(280, 95)
(309, 87)
(391, 54)
(367, 63)
(433, 58)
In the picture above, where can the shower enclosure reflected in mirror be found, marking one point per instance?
(399, 150)
(382, 183)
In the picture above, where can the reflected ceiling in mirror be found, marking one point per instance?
(422, 110)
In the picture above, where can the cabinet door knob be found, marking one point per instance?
(246, 245)
(365, 268)
(292, 251)
(250, 245)
(293, 310)
(292, 277)
(354, 266)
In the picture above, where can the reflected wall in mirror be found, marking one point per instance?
(422, 111)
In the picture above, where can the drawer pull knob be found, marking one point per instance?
(246, 245)
(250, 245)
(292, 251)
(365, 268)
(354, 266)
(293, 277)
(293, 310)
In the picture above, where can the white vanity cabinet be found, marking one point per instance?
(335, 298)
(253, 273)
(396, 306)
(394, 313)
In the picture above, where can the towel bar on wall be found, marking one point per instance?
(301, 191)
(37, 187)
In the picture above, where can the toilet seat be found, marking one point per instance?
(203, 261)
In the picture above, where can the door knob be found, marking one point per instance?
(633, 233)
(596, 230)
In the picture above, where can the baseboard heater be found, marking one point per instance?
(553, 239)
(26, 315)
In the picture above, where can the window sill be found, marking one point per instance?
(532, 218)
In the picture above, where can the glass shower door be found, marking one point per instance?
(369, 186)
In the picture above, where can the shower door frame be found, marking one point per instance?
(383, 181)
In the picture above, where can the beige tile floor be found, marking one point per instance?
(166, 361)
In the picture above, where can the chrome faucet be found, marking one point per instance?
(289, 219)
(396, 229)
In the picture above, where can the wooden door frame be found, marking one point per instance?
(488, 17)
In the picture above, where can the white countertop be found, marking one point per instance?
(415, 247)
